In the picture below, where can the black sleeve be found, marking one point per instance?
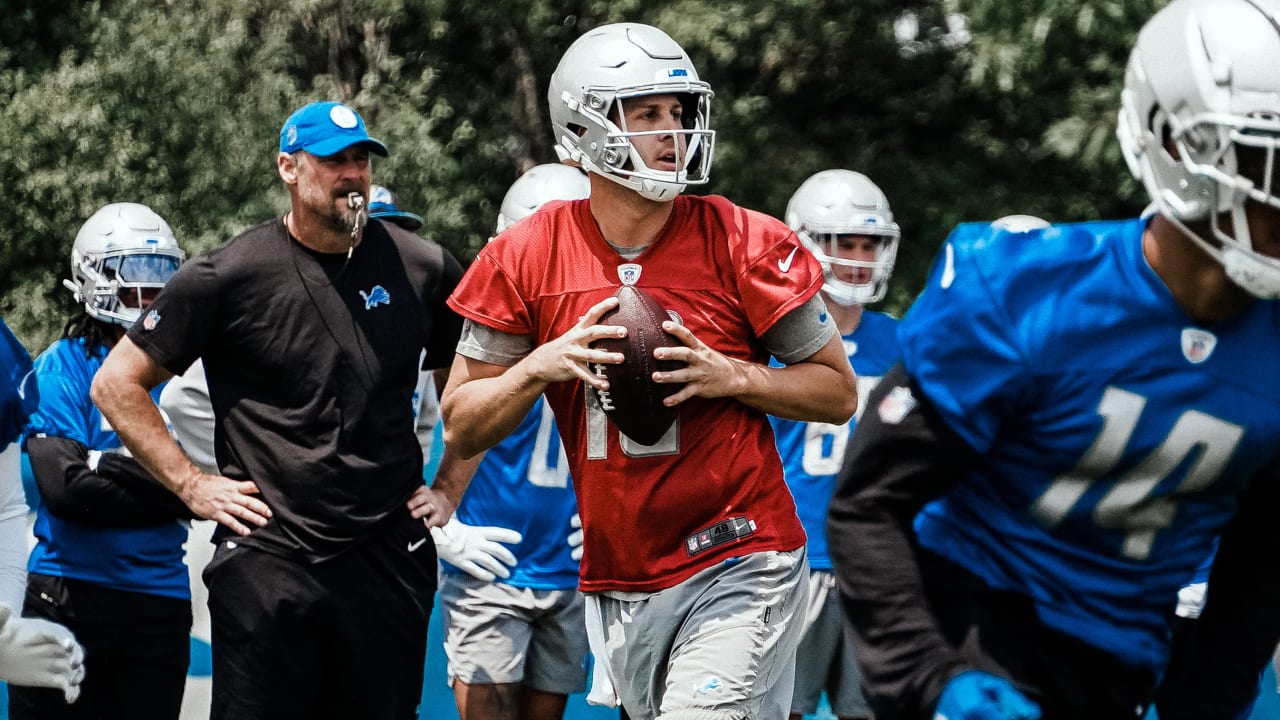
(1218, 659)
(120, 494)
(447, 324)
(901, 456)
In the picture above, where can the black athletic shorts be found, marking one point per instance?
(136, 650)
(341, 638)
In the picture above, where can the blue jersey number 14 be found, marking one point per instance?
(1129, 505)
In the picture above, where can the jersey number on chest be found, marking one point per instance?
(1129, 505)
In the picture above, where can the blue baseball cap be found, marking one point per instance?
(383, 204)
(326, 128)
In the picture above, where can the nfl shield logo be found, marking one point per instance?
(151, 320)
(896, 405)
(629, 273)
(1197, 344)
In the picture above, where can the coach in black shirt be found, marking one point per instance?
(311, 328)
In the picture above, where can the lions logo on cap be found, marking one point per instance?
(343, 117)
(381, 195)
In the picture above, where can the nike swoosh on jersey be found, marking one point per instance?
(416, 544)
(785, 265)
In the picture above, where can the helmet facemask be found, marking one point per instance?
(609, 66)
(116, 286)
(826, 248)
(617, 158)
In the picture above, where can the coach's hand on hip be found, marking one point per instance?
(233, 503)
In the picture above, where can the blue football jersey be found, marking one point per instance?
(143, 559)
(1114, 433)
(19, 396)
(813, 451)
(523, 484)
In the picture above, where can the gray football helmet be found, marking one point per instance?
(121, 251)
(842, 202)
(538, 185)
(1203, 77)
(608, 65)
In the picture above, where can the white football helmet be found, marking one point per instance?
(1019, 223)
(120, 251)
(842, 202)
(1204, 77)
(538, 185)
(613, 63)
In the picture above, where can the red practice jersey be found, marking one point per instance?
(730, 274)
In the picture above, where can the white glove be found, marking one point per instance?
(95, 456)
(476, 550)
(575, 537)
(39, 653)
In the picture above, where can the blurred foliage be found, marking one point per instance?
(958, 109)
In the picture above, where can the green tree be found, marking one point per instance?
(958, 109)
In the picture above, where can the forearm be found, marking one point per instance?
(807, 392)
(454, 474)
(478, 412)
(128, 406)
(823, 388)
(113, 492)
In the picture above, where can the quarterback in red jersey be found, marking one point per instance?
(694, 557)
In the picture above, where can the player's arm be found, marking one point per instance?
(121, 390)
(185, 402)
(106, 489)
(436, 503)
(483, 402)
(901, 456)
(1219, 658)
(816, 384)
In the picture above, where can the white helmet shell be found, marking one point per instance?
(832, 203)
(539, 185)
(122, 249)
(1199, 124)
(613, 63)
(1019, 223)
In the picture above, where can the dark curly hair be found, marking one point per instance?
(94, 331)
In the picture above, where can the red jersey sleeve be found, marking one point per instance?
(775, 273)
(490, 296)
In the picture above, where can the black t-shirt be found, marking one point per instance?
(312, 362)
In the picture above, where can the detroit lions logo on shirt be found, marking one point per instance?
(377, 296)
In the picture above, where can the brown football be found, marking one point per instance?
(633, 401)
